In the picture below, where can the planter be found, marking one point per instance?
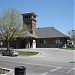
(6, 71)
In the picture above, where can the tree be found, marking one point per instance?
(71, 34)
(10, 22)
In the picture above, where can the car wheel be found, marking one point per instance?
(10, 54)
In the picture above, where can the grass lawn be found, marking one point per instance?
(69, 48)
(27, 53)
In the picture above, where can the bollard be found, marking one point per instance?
(20, 70)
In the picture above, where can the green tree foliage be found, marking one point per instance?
(10, 22)
(71, 34)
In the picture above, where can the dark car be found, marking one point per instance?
(10, 53)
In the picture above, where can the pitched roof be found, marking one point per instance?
(49, 32)
(32, 13)
(24, 34)
(27, 34)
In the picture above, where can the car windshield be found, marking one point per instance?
(13, 50)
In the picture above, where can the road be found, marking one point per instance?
(49, 62)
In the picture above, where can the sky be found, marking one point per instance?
(51, 13)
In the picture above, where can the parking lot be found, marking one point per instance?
(50, 61)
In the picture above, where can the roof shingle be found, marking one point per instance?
(49, 32)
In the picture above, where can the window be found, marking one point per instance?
(41, 41)
(29, 16)
(57, 41)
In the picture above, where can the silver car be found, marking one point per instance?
(10, 53)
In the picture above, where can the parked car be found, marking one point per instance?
(10, 53)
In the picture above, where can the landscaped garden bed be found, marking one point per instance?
(4, 71)
(27, 53)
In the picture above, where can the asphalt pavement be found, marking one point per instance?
(49, 61)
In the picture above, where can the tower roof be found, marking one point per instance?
(31, 13)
